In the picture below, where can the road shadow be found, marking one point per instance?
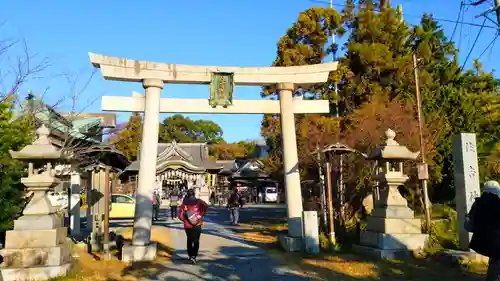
(227, 266)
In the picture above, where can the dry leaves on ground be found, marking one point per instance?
(93, 267)
(345, 266)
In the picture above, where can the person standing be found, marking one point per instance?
(484, 223)
(156, 205)
(191, 214)
(174, 203)
(233, 205)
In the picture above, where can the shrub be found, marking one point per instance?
(443, 233)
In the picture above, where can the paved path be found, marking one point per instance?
(223, 256)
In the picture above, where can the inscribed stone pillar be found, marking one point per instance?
(466, 174)
(74, 204)
(147, 170)
(291, 160)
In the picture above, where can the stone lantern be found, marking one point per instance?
(37, 248)
(392, 230)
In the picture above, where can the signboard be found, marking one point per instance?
(221, 89)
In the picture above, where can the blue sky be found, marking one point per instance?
(217, 32)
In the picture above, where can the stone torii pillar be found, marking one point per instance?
(290, 159)
(147, 172)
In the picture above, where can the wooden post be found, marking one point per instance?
(331, 220)
(427, 203)
(106, 215)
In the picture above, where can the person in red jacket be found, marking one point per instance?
(191, 214)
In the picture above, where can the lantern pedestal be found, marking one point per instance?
(392, 231)
(37, 248)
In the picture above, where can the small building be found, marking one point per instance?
(181, 165)
(80, 134)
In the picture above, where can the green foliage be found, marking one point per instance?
(443, 233)
(14, 135)
(186, 130)
(307, 42)
(176, 127)
(378, 65)
(378, 57)
(324, 243)
(128, 139)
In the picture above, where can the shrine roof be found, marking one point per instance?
(195, 154)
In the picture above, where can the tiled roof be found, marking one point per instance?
(193, 153)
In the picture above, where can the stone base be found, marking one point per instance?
(381, 253)
(388, 241)
(18, 239)
(38, 222)
(394, 225)
(133, 253)
(290, 244)
(35, 257)
(34, 273)
(401, 212)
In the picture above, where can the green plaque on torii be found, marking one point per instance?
(221, 89)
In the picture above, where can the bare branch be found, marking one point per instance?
(23, 67)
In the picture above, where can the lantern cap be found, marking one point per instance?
(41, 148)
(392, 150)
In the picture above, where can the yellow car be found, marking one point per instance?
(122, 206)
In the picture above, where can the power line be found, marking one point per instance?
(473, 45)
(458, 19)
(489, 45)
(416, 16)
(478, 2)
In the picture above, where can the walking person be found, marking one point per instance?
(191, 214)
(174, 203)
(233, 205)
(483, 221)
(156, 205)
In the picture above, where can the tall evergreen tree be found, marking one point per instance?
(128, 139)
(14, 135)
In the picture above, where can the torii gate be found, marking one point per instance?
(153, 77)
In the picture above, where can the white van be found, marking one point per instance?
(270, 194)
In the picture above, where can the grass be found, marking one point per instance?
(444, 232)
(347, 266)
(94, 267)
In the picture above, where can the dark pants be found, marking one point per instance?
(234, 215)
(193, 241)
(493, 273)
(173, 211)
(156, 211)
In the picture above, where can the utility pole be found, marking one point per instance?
(422, 169)
(497, 8)
(322, 187)
(331, 221)
(337, 114)
(107, 199)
